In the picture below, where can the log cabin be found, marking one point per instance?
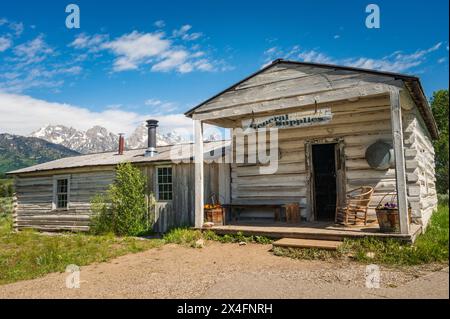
(338, 128)
(56, 196)
(329, 128)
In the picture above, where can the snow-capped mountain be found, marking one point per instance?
(138, 139)
(95, 139)
(98, 139)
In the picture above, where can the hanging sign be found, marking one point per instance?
(290, 120)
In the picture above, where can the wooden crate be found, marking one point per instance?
(389, 219)
(214, 215)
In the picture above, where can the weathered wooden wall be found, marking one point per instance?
(357, 124)
(180, 211)
(287, 86)
(35, 197)
(361, 108)
(420, 167)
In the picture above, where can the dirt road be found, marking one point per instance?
(231, 271)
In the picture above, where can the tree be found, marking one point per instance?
(123, 209)
(439, 106)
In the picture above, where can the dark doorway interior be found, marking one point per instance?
(324, 167)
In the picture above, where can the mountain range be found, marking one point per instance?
(57, 141)
(99, 139)
(20, 151)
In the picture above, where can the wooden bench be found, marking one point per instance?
(231, 208)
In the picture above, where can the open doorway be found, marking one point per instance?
(324, 174)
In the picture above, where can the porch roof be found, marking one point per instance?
(411, 83)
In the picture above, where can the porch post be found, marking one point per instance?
(400, 174)
(198, 158)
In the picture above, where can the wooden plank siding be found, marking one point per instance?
(35, 197)
(361, 110)
(288, 86)
(357, 124)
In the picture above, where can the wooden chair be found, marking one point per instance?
(293, 213)
(354, 211)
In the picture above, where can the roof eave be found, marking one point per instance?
(416, 90)
(323, 65)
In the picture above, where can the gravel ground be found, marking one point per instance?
(231, 271)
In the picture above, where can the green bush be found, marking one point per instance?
(443, 199)
(123, 209)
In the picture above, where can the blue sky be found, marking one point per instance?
(134, 59)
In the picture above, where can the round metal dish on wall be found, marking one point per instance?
(380, 155)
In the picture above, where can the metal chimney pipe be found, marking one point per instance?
(151, 150)
(121, 143)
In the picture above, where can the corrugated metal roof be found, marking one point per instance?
(173, 153)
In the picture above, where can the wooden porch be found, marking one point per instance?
(312, 230)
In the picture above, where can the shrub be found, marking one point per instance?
(102, 220)
(123, 209)
(443, 199)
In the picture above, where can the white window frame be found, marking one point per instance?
(55, 192)
(157, 183)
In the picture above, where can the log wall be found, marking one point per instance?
(420, 167)
(355, 124)
(34, 197)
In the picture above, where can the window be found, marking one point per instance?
(164, 183)
(61, 193)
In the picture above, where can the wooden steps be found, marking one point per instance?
(307, 243)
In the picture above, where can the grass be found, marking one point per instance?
(28, 254)
(189, 237)
(430, 247)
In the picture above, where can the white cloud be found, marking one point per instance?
(5, 43)
(397, 61)
(314, 56)
(163, 54)
(23, 114)
(173, 60)
(33, 51)
(29, 66)
(181, 31)
(160, 24)
(158, 106)
(135, 48)
(17, 28)
(153, 102)
(92, 43)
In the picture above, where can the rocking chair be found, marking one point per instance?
(354, 211)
